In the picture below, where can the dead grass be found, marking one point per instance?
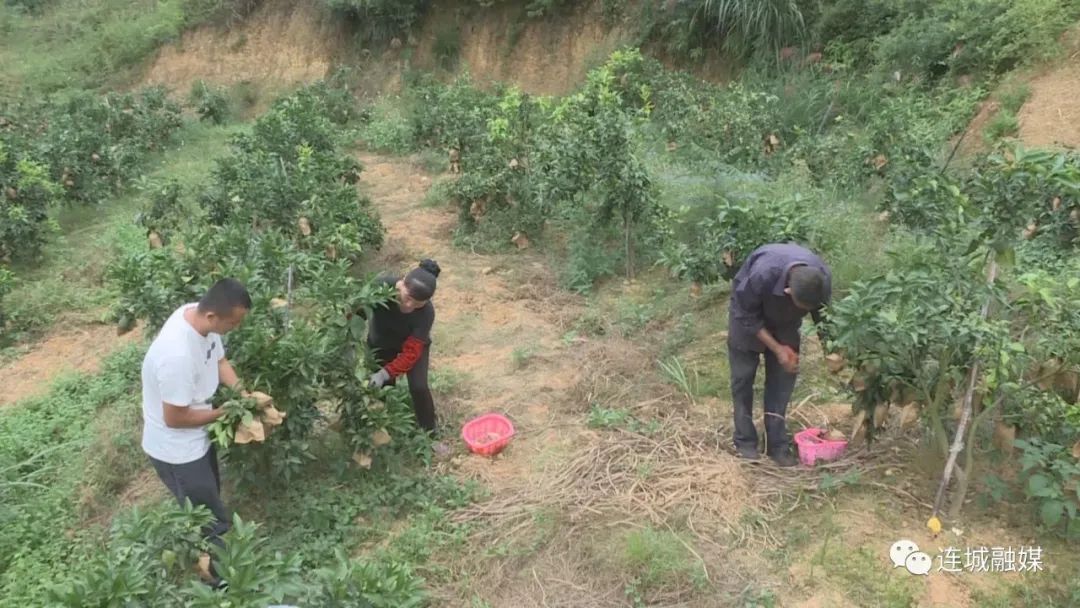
(617, 372)
(67, 349)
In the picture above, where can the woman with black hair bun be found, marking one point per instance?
(400, 337)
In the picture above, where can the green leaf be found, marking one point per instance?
(356, 326)
(1051, 512)
(1039, 485)
(1006, 257)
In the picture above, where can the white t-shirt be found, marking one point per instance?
(180, 368)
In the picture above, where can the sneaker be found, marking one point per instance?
(785, 459)
(747, 453)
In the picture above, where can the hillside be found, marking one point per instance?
(589, 176)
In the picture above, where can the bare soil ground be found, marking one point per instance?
(67, 349)
(282, 44)
(565, 498)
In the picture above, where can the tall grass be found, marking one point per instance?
(755, 25)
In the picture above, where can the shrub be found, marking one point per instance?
(355, 584)
(26, 194)
(149, 552)
(377, 22)
(282, 216)
(7, 282)
(1052, 480)
(210, 102)
(1003, 124)
(712, 244)
(94, 145)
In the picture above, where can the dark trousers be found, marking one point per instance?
(200, 482)
(779, 385)
(422, 402)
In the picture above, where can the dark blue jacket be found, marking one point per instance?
(758, 299)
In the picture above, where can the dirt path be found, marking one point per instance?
(500, 318)
(563, 496)
(78, 349)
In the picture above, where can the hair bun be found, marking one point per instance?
(431, 266)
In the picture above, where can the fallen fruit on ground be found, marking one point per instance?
(362, 460)
(934, 524)
(520, 240)
(835, 435)
(835, 363)
(380, 437)
(909, 415)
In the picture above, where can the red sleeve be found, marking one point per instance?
(410, 354)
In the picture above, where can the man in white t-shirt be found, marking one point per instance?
(180, 374)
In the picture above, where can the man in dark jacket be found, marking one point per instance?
(772, 292)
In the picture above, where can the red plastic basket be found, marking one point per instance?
(487, 435)
(812, 447)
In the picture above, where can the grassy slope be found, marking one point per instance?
(346, 517)
(90, 44)
(68, 285)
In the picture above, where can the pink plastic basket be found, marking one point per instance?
(812, 447)
(487, 435)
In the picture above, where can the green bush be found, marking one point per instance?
(1016, 188)
(1003, 124)
(26, 194)
(355, 584)
(1014, 95)
(210, 102)
(711, 242)
(7, 282)
(385, 129)
(1052, 480)
(164, 211)
(282, 204)
(741, 28)
(377, 22)
(95, 144)
(929, 40)
(148, 555)
(748, 26)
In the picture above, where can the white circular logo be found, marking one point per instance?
(900, 551)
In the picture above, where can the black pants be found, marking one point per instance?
(779, 385)
(423, 404)
(200, 482)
